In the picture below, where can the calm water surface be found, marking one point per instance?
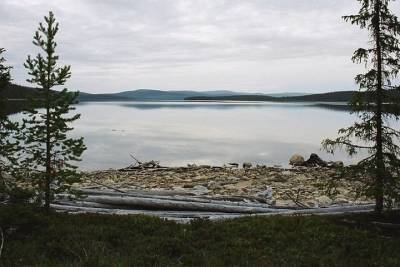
(178, 133)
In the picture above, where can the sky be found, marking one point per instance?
(248, 46)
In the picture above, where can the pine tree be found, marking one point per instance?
(50, 152)
(376, 104)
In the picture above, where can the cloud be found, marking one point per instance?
(255, 45)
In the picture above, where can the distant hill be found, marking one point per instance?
(18, 92)
(343, 96)
(84, 97)
(159, 95)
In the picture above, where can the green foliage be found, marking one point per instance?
(37, 239)
(8, 129)
(49, 152)
(381, 170)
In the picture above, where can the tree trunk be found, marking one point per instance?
(48, 161)
(380, 166)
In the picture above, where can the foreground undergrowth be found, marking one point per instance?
(33, 238)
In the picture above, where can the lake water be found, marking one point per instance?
(178, 133)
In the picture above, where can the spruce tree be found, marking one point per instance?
(50, 151)
(8, 147)
(376, 104)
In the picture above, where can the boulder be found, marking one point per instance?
(296, 160)
(247, 165)
(314, 161)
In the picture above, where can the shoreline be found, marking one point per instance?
(310, 187)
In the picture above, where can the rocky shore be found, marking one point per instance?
(305, 185)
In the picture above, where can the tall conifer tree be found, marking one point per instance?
(50, 152)
(376, 104)
(7, 128)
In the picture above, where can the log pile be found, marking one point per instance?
(181, 207)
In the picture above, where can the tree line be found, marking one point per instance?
(38, 150)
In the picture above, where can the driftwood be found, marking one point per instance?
(296, 200)
(169, 195)
(184, 216)
(167, 204)
(141, 165)
(107, 186)
(181, 216)
(180, 207)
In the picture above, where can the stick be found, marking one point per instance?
(298, 203)
(137, 161)
(2, 240)
(110, 187)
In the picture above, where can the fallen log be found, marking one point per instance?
(87, 207)
(150, 194)
(185, 216)
(167, 204)
(330, 210)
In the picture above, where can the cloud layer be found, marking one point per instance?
(255, 45)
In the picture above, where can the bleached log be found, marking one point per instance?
(88, 207)
(91, 191)
(184, 216)
(152, 195)
(166, 204)
(330, 210)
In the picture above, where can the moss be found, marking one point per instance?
(36, 239)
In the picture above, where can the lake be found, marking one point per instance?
(214, 133)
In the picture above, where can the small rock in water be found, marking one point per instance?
(296, 160)
(247, 165)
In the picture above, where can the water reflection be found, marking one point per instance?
(177, 133)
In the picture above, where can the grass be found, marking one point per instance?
(36, 239)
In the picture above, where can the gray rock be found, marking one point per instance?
(324, 201)
(315, 161)
(337, 164)
(267, 193)
(247, 165)
(296, 160)
(200, 190)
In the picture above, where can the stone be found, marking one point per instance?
(314, 161)
(200, 190)
(337, 164)
(247, 165)
(267, 193)
(324, 201)
(296, 160)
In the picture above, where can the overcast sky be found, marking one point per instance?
(252, 45)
